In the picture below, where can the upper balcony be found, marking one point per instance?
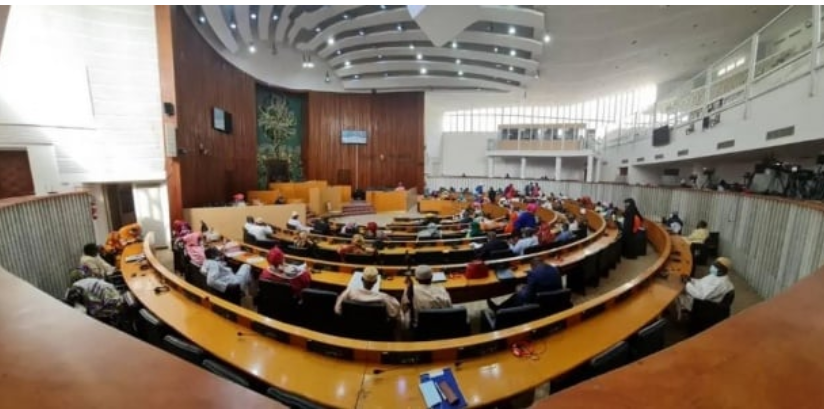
(543, 140)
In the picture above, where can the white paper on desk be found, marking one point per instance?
(356, 282)
(254, 260)
(430, 394)
(235, 254)
(136, 257)
(438, 277)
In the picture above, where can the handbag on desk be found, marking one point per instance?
(477, 269)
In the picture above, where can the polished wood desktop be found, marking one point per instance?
(55, 357)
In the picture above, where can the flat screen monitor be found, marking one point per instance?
(661, 136)
(353, 137)
(221, 120)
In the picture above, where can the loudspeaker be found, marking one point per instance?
(169, 108)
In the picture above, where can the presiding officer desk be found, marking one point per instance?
(342, 372)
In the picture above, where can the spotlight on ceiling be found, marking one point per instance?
(253, 16)
(330, 41)
(460, 73)
(511, 30)
(419, 56)
(357, 76)
(423, 70)
(337, 52)
(347, 64)
(327, 79)
(346, 17)
(233, 25)
(547, 38)
(411, 46)
(383, 7)
(317, 29)
(275, 17)
(511, 68)
(252, 49)
(361, 32)
(496, 49)
(380, 56)
(512, 53)
(201, 19)
(458, 61)
(454, 44)
(399, 27)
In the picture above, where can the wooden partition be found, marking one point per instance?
(297, 192)
(392, 201)
(331, 195)
(266, 197)
(345, 193)
(440, 207)
(229, 221)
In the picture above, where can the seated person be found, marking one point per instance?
(400, 187)
(91, 261)
(541, 277)
(545, 234)
(493, 244)
(294, 223)
(129, 234)
(321, 226)
(193, 247)
(260, 230)
(565, 235)
(712, 287)
(356, 246)
(527, 240)
(349, 229)
(280, 200)
(302, 241)
(700, 234)
(573, 223)
(298, 277)
(380, 240)
(238, 200)
(368, 294)
(100, 298)
(371, 230)
(675, 224)
(219, 275)
(424, 295)
(527, 218)
(112, 247)
(430, 232)
(180, 228)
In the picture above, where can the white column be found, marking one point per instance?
(490, 167)
(590, 168)
(523, 167)
(598, 167)
(557, 168)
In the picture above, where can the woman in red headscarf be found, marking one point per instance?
(280, 272)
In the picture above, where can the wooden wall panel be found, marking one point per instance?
(15, 174)
(394, 151)
(216, 165)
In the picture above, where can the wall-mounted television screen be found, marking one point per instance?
(353, 137)
(661, 136)
(221, 120)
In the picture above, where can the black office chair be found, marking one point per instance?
(318, 311)
(575, 277)
(699, 255)
(183, 349)
(322, 253)
(233, 293)
(590, 268)
(649, 339)
(429, 257)
(552, 302)
(193, 276)
(614, 254)
(248, 238)
(290, 400)
(441, 323)
(275, 300)
(603, 257)
(711, 245)
(534, 249)
(705, 314)
(362, 259)
(150, 328)
(366, 321)
(509, 317)
(613, 358)
(225, 372)
(299, 252)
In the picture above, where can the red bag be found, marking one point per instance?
(477, 269)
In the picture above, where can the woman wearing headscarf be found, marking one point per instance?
(632, 224)
(298, 277)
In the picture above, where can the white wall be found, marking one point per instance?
(79, 90)
(151, 207)
(788, 105)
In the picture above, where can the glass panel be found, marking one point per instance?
(784, 39)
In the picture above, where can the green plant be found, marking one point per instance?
(278, 125)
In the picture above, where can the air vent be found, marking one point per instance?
(684, 152)
(659, 156)
(781, 133)
(624, 161)
(726, 144)
(639, 160)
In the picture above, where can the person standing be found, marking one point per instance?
(631, 226)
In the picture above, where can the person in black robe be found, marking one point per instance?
(628, 231)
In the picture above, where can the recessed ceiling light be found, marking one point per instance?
(361, 32)
(330, 41)
(511, 68)
(201, 19)
(496, 49)
(347, 63)
(380, 56)
(411, 46)
(310, 64)
(512, 53)
(383, 7)
(458, 61)
(460, 73)
(498, 65)
(252, 49)
(423, 70)
(317, 29)
(399, 27)
(454, 44)
(275, 17)
(338, 52)
(547, 38)
(357, 76)
(634, 42)
(253, 16)
(386, 74)
(419, 56)
(346, 17)
(233, 26)
(511, 30)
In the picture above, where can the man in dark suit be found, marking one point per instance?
(541, 277)
(493, 244)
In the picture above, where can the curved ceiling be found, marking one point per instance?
(594, 50)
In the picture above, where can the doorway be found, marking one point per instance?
(15, 174)
(120, 202)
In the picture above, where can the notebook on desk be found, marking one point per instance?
(440, 390)
(504, 274)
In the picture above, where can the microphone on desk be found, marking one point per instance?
(247, 334)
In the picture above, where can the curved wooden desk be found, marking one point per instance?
(484, 367)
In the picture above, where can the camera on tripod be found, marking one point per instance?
(708, 171)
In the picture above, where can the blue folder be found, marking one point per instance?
(449, 378)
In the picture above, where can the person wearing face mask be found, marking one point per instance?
(674, 223)
(712, 287)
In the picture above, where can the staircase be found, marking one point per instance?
(357, 207)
